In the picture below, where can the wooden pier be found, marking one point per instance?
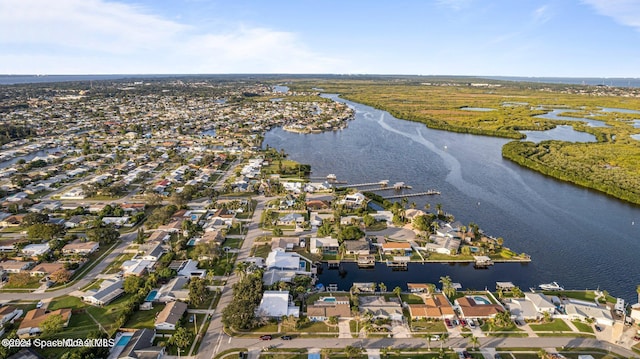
(366, 261)
(382, 184)
(417, 194)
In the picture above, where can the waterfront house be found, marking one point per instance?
(580, 310)
(354, 200)
(170, 315)
(279, 259)
(477, 307)
(326, 307)
(326, 245)
(442, 244)
(381, 308)
(418, 287)
(436, 306)
(30, 324)
(396, 247)
(359, 247)
(109, 290)
(276, 304)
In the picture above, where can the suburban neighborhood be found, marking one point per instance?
(149, 214)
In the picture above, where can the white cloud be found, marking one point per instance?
(625, 12)
(542, 14)
(454, 4)
(97, 36)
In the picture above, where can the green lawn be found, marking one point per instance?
(232, 242)
(427, 326)
(411, 299)
(557, 325)
(30, 283)
(317, 327)
(583, 327)
(66, 302)
(144, 318)
(262, 251)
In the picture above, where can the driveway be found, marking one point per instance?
(344, 329)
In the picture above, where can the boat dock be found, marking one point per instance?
(399, 262)
(382, 184)
(366, 261)
(482, 262)
(430, 192)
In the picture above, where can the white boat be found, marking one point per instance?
(551, 286)
(332, 177)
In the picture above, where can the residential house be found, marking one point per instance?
(474, 308)
(133, 207)
(109, 290)
(141, 346)
(359, 247)
(397, 247)
(442, 244)
(137, 267)
(580, 310)
(15, 266)
(30, 324)
(326, 307)
(412, 213)
(12, 221)
(276, 304)
(435, 306)
(8, 245)
(169, 317)
(326, 245)
(82, 248)
(176, 289)
(150, 251)
(9, 312)
(173, 226)
(279, 259)
(74, 221)
(380, 308)
(317, 205)
(116, 221)
(354, 200)
(291, 219)
(286, 243)
(418, 287)
(36, 249)
(159, 236)
(46, 269)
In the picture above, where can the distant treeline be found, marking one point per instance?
(10, 133)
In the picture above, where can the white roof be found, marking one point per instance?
(540, 301)
(276, 304)
(280, 259)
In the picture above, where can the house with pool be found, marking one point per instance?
(330, 306)
(477, 306)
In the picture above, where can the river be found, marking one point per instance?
(577, 237)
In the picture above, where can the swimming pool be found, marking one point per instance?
(192, 242)
(329, 299)
(124, 340)
(303, 265)
(480, 300)
(151, 296)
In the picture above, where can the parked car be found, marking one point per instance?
(466, 354)
(266, 337)
(448, 323)
(286, 337)
(39, 305)
(471, 325)
(598, 328)
(497, 356)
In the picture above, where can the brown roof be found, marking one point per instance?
(340, 308)
(34, 317)
(47, 268)
(469, 308)
(435, 307)
(172, 313)
(6, 310)
(79, 246)
(396, 245)
(422, 286)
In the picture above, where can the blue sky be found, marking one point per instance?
(572, 38)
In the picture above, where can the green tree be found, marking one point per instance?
(45, 231)
(52, 325)
(30, 219)
(352, 351)
(348, 233)
(132, 284)
(325, 230)
(181, 338)
(447, 286)
(277, 232)
(382, 287)
(368, 220)
(397, 291)
(104, 234)
(474, 341)
(197, 291)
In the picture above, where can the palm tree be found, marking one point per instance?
(447, 286)
(382, 287)
(397, 291)
(474, 341)
(427, 207)
(443, 338)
